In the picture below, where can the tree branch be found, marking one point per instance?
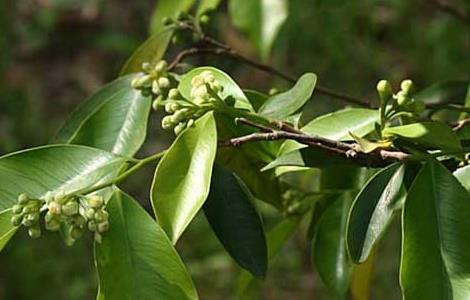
(453, 11)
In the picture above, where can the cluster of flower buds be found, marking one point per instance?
(205, 88)
(188, 28)
(72, 214)
(155, 81)
(404, 100)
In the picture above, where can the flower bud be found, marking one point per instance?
(407, 86)
(167, 122)
(70, 208)
(157, 102)
(34, 232)
(207, 76)
(173, 94)
(161, 66)
(17, 208)
(101, 216)
(199, 100)
(52, 225)
(79, 221)
(402, 99)
(98, 238)
(190, 123)
(179, 128)
(147, 67)
(92, 225)
(90, 213)
(199, 92)
(155, 87)
(164, 82)
(23, 198)
(141, 82)
(197, 81)
(55, 208)
(16, 220)
(385, 90)
(204, 19)
(27, 222)
(95, 201)
(76, 233)
(103, 226)
(180, 115)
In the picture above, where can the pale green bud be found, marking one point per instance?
(164, 82)
(34, 232)
(76, 233)
(17, 208)
(147, 67)
(95, 201)
(155, 87)
(385, 90)
(79, 220)
(157, 103)
(197, 81)
(23, 198)
(179, 128)
(52, 225)
(161, 66)
(28, 221)
(16, 220)
(402, 98)
(70, 208)
(199, 100)
(204, 19)
(217, 87)
(103, 226)
(141, 82)
(407, 86)
(101, 216)
(55, 208)
(173, 94)
(90, 213)
(167, 122)
(199, 92)
(92, 225)
(180, 115)
(98, 238)
(190, 123)
(29, 208)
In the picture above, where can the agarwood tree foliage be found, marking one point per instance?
(234, 148)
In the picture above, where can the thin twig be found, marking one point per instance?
(453, 11)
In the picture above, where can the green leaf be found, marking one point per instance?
(182, 178)
(206, 6)
(151, 51)
(236, 222)
(276, 238)
(136, 260)
(256, 98)
(7, 230)
(68, 168)
(372, 211)
(260, 20)
(113, 119)
(338, 125)
(329, 246)
(308, 157)
(167, 9)
(430, 134)
(463, 175)
(230, 88)
(445, 92)
(435, 262)
(287, 103)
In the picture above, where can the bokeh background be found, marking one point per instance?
(55, 53)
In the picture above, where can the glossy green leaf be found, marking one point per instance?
(7, 230)
(230, 88)
(136, 260)
(435, 262)
(276, 238)
(429, 134)
(256, 98)
(308, 157)
(182, 178)
(444, 92)
(236, 222)
(287, 103)
(260, 20)
(372, 211)
(329, 246)
(338, 125)
(206, 6)
(51, 168)
(113, 119)
(151, 51)
(167, 9)
(463, 175)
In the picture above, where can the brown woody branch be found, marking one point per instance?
(378, 158)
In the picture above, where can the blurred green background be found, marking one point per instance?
(54, 53)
